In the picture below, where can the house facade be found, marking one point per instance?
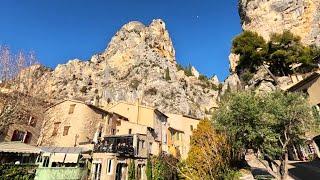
(179, 134)
(143, 120)
(26, 132)
(310, 86)
(71, 123)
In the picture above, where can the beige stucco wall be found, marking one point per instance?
(139, 116)
(182, 124)
(135, 114)
(83, 122)
(35, 131)
(103, 159)
(124, 126)
(314, 93)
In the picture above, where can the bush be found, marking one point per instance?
(246, 76)
(10, 171)
(209, 156)
(134, 84)
(164, 167)
(132, 170)
(167, 75)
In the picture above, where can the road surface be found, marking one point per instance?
(305, 170)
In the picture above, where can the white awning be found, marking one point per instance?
(71, 158)
(86, 156)
(46, 154)
(58, 157)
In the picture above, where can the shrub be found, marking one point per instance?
(167, 75)
(134, 84)
(132, 170)
(246, 76)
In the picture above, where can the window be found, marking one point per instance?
(55, 128)
(109, 168)
(71, 108)
(142, 144)
(191, 127)
(27, 138)
(130, 131)
(66, 130)
(45, 161)
(96, 171)
(17, 135)
(32, 121)
(113, 131)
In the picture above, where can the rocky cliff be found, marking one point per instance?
(138, 64)
(301, 17)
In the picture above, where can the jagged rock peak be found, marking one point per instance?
(301, 17)
(137, 36)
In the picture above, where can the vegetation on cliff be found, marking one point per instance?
(284, 53)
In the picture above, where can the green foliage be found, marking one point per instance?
(187, 70)
(167, 75)
(252, 49)
(164, 167)
(203, 78)
(246, 76)
(149, 169)
(209, 155)
(23, 172)
(269, 122)
(280, 53)
(132, 170)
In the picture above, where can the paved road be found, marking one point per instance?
(305, 170)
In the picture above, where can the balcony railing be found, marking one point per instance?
(120, 145)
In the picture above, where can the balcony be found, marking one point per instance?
(122, 145)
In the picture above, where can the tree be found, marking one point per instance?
(284, 53)
(209, 155)
(167, 75)
(149, 169)
(164, 167)
(252, 49)
(291, 118)
(266, 122)
(132, 170)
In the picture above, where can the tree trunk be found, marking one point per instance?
(284, 166)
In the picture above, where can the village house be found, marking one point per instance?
(62, 163)
(26, 132)
(142, 120)
(132, 140)
(311, 87)
(72, 123)
(179, 134)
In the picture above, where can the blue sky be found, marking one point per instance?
(59, 30)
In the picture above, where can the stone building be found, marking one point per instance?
(72, 123)
(179, 134)
(26, 132)
(142, 120)
(133, 139)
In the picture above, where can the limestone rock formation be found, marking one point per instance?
(301, 17)
(133, 67)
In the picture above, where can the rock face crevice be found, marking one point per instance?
(301, 17)
(133, 67)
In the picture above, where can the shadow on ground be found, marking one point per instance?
(305, 170)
